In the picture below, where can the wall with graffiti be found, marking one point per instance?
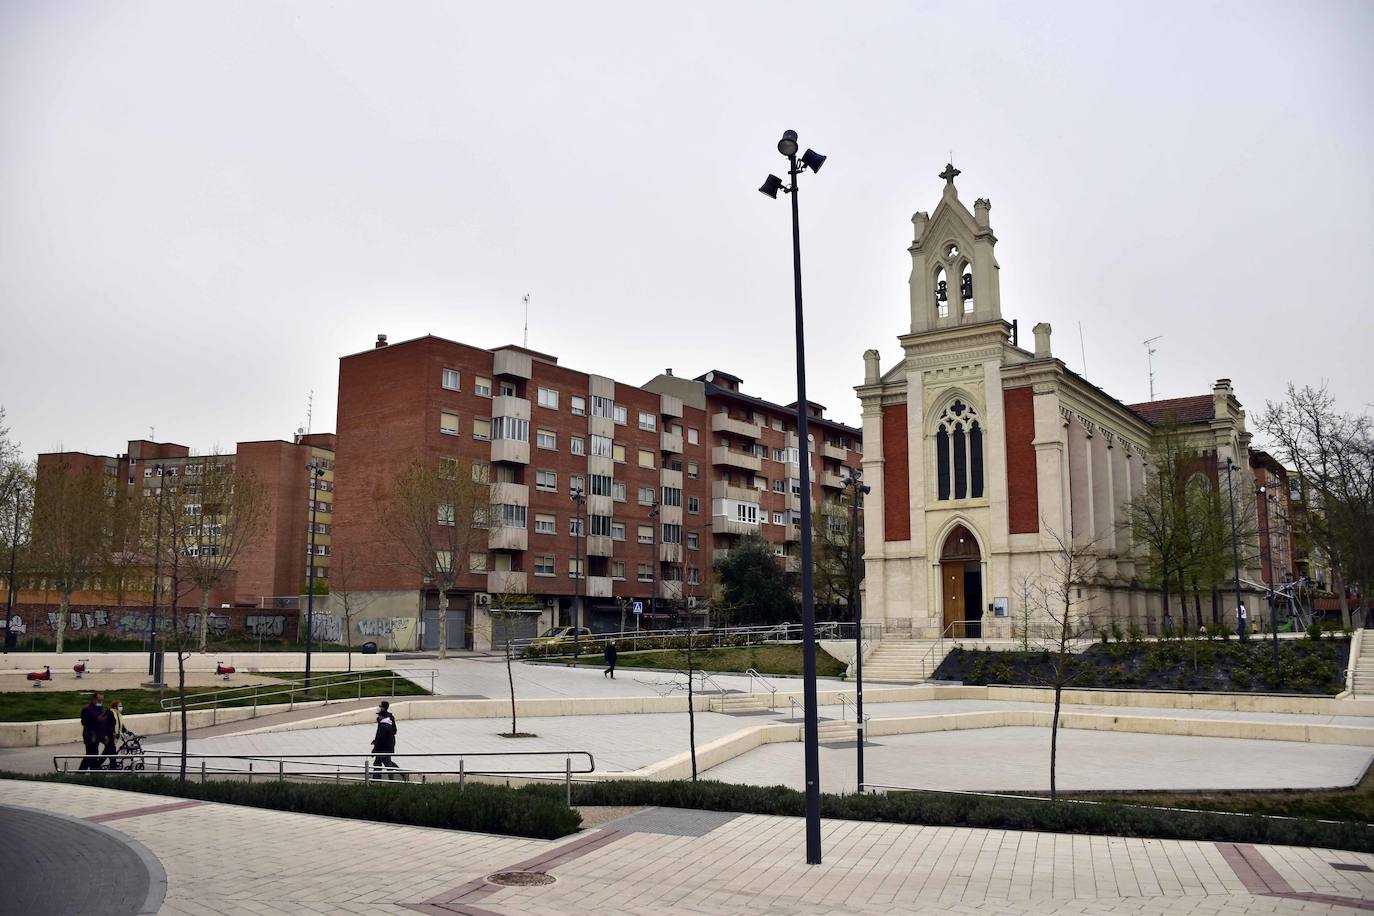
(29, 621)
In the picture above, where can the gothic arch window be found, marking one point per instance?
(966, 286)
(959, 452)
(942, 294)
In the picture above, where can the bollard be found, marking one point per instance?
(66, 766)
(281, 771)
(250, 772)
(462, 773)
(202, 772)
(567, 777)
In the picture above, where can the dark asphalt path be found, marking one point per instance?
(61, 865)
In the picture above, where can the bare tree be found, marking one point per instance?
(439, 516)
(71, 531)
(502, 617)
(343, 585)
(225, 512)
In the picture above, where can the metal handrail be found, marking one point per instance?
(256, 691)
(845, 703)
(772, 690)
(627, 640)
(797, 709)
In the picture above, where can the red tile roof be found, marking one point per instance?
(1178, 410)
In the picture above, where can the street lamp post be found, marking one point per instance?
(14, 546)
(580, 499)
(653, 547)
(154, 652)
(812, 160)
(1235, 545)
(1265, 496)
(857, 489)
(316, 472)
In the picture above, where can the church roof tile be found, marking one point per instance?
(1178, 410)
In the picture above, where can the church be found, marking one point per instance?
(983, 455)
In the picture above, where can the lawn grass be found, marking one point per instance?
(44, 704)
(771, 659)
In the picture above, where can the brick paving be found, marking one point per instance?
(222, 859)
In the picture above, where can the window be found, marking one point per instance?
(779, 485)
(477, 562)
(693, 576)
(672, 496)
(448, 468)
(693, 470)
(544, 523)
(602, 407)
(777, 518)
(443, 560)
(618, 569)
(446, 514)
(692, 435)
(481, 471)
(480, 516)
(600, 484)
(647, 421)
(618, 452)
(693, 504)
(577, 445)
(579, 406)
(646, 572)
(672, 534)
(602, 446)
(448, 424)
(575, 568)
(673, 464)
(622, 416)
(958, 453)
(548, 398)
(618, 490)
(510, 428)
(481, 387)
(450, 379)
(646, 534)
(777, 424)
(508, 390)
(575, 526)
(508, 516)
(693, 540)
(192, 509)
(543, 565)
(747, 512)
(599, 525)
(577, 484)
(617, 531)
(760, 451)
(547, 438)
(646, 496)
(646, 458)
(481, 428)
(546, 481)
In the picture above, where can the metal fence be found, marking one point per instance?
(336, 688)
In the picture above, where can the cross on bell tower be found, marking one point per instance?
(950, 173)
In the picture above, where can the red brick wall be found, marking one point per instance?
(274, 562)
(896, 475)
(1023, 493)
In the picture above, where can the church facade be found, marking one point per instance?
(985, 457)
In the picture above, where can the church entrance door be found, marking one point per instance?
(961, 580)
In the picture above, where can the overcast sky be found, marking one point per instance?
(203, 205)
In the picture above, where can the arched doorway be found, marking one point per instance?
(961, 584)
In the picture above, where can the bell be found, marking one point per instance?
(966, 286)
(942, 291)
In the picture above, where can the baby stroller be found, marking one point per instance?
(129, 753)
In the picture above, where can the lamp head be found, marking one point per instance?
(813, 160)
(771, 186)
(788, 144)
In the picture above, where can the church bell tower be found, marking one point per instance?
(953, 269)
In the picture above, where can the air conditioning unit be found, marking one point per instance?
(691, 602)
(551, 603)
(482, 599)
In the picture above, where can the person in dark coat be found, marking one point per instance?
(384, 742)
(95, 727)
(610, 654)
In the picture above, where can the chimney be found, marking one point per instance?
(1042, 340)
(872, 373)
(670, 370)
(381, 342)
(1221, 396)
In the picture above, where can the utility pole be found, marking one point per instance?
(1150, 362)
(14, 546)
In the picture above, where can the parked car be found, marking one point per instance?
(557, 635)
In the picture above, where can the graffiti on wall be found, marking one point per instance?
(385, 627)
(327, 627)
(77, 620)
(17, 625)
(217, 628)
(266, 625)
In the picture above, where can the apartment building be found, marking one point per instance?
(670, 477)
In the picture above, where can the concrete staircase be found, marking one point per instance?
(904, 660)
(740, 702)
(1362, 682)
(831, 731)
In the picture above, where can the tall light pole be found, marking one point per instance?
(812, 160)
(1235, 544)
(14, 546)
(653, 547)
(154, 651)
(857, 490)
(580, 499)
(316, 472)
(1265, 496)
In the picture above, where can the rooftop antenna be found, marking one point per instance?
(527, 321)
(309, 409)
(152, 434)
(1082, 350)
(1150, 361)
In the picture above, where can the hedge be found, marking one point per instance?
(946, 809)
(595, 645)
(531, 811)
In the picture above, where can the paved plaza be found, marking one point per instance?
(222, 860)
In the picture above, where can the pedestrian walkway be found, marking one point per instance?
(222, 859)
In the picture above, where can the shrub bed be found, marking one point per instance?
(533, 811)
(1310, 666)
(595, 644)
(783, 658)
(943, 809)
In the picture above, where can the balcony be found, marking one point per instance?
(722, 490)
(794, 502)
(834, 451)
(671, 442)
(670, 553)
(669, 590)
(599, 586)
(724, 423)
(667, 477)
(721, 524)
(834, 481)
(670, 515)
(744, 461)
(510, 450)
(600, 505)
(791, 534)
(506, 582)
(505, 537)
(507, 405)
(512, 362)
(670, 406)
(510, 494)
(599, 545)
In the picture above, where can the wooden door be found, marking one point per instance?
(952, 590)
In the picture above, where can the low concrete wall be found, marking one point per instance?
(68, 731)
(1236, 702)
(138, 661)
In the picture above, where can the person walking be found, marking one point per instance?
(115, 716)
(93, 725)
(610, 653)
(1242, 618)
(384, 741)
